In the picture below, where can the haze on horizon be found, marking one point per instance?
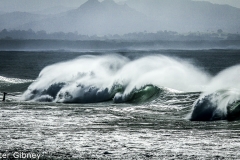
(39, 5)
(104, 17)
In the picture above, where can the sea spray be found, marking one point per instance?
(76, 80)
(220, 98)
(160, 71)
(90, 79)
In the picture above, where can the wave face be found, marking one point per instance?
(90, 79)
(221, 99)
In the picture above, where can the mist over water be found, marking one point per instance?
(228, 78)
(100, 78)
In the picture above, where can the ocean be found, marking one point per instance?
(112, 104)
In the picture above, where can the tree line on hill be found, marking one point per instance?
(135, 36)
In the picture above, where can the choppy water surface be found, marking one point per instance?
(151, 123)
(114, 131)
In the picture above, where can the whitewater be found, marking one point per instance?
(126, 105)
(90, 79)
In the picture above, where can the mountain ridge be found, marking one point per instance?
(13, 19)
(200, 15)
(108, 17)
(94, 17)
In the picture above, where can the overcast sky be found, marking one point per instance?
(234, 3)
(38, 5)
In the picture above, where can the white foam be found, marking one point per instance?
(222, 91)
(93, 75)
(14, 80)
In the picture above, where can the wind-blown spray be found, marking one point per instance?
(90, 79)
(221, 98)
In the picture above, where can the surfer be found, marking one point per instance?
(4, 96)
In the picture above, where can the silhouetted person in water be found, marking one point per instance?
(4, 96)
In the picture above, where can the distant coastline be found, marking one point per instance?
(120, 45)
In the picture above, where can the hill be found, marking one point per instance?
(188, 15)
(16, 19)
(108, 17)
(94, 17)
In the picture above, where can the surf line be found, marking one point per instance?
(4, 96)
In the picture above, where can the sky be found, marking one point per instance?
(38, 5)
(234, 3)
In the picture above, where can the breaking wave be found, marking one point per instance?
(90, 79)
(14, 80)
(221, 99)
(13, 84)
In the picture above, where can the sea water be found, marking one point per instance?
(172, 104)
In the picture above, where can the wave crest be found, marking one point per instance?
(90, 79)
(221, 99)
